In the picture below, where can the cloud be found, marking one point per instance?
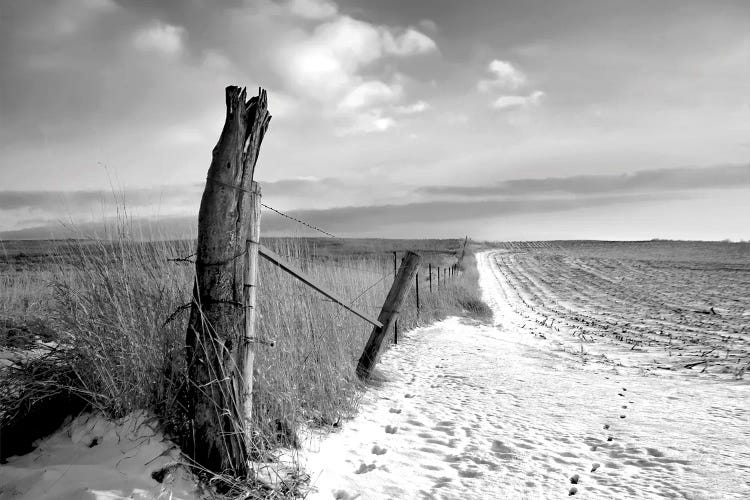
(23, 208)
(64, 19)
(313, 9)
(410, 42)
(332, 66)
(160, 37)
(505, 77)
(94, 201)
(644, 181)
(370, 93)
(378, 220)
(469, 204)
(326, 64)
(413, 108)
(428, 25)
(366, 122)
(507, 102)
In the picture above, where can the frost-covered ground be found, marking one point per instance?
(474, 411)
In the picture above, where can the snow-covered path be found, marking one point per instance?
(475, 411)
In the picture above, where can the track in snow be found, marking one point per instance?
(476, 411)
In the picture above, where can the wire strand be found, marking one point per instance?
(298, 221)
(388, 275)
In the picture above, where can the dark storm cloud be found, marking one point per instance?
(86, 200)
(301, 187)
(380, 217)
(673, 179)
(345, 221)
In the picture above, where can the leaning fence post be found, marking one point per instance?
(388, 314)
(416, 285)
(430, 267)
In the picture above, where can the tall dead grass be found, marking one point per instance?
(119, 310)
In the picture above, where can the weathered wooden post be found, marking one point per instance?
(250, 285)
(438, 278)
(388, 314)
(216, 343)
(463, 252)
(395, 267)
(416, 285)
(430, 266)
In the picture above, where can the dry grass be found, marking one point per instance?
(117, 310)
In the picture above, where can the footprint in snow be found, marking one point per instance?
(606, 426)
(574, 479)
(594, 466)
(391, 429)
(395, 410)
(572, 491)
(365, 468)
(407, 396)
(344, 495)
(610, 438)
(622, 416)
(378, 450)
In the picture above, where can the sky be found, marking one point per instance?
(496, 119)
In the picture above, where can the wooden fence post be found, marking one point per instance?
(250, 285)
(395, 264)
(416, 284)
(388, 314)
(463, 252)
(215, 339)
(430, 266)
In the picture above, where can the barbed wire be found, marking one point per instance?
(327, 262)
(299, 221)
(299, 257)
(387, 275)
(244, 190)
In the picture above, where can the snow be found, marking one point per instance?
(467, 411)
(478, 411)
(96, 458)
